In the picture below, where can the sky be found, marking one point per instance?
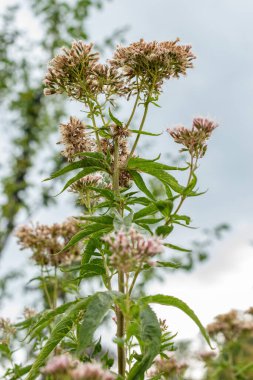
(221, 87)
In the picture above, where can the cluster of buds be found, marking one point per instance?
(64, 365)
(194, 139)
(47, 242)
(75, 138)
(152, 62)
(230, 326)
(168, 368)
(29, 313)
(77, 73)
(87, 181)
(131, 250)
(6, 331)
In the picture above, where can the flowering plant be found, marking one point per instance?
(123, 227)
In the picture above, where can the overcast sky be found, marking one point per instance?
(221, 87)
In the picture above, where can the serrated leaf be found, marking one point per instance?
(47, 317)
(150, 341)
(81, 174)
(149, 210)
(97, 308)
(91, 270)
(176, 302)
(61, 329)
(144, 164)
(140, 183)
(85, 163)
(87, 231)
(104, 219)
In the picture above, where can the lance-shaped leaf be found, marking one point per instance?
(149, 338)
(47, 317)
(140, 183)
(97, 308)
(144, 164)
(145, 133)
(87, 231)
(176, 302)
(85, 163)
(62, 328)
(81, 174)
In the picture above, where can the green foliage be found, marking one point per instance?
(175, 302)
(149, 337)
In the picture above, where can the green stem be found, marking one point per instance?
(134, 281)
(134, 109)
(183, 197)
(140, 129)
(94, 126)
(121, 285)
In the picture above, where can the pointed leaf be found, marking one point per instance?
(150, 342)
(62, 328)
(176, 302)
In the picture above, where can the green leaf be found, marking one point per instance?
(87, 231)
(176, 302)
(61, 329)
(144, 164)
(47, 317)
(164, 230)
(91, 270)
(149, 340)
(167, 264)
(80, 175)
(114, 119)
(140, 183)
(85, 163)
(149, 210)
(98, 155)
(104, 219)
(97, 308)
(164, 206)
(20, 371)
(184, 218)
(177, 248)
(145, 133)
(90, 249)
(106, 193)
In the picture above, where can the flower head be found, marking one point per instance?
(131, 249)
(194, 139)
(90, 371)
(46, 242)
(168, 368)
(152, 62)
(75, 138)
(58, 365)
(77, 73)
(7, 330)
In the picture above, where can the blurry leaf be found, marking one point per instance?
(61, 329)
(114, 119)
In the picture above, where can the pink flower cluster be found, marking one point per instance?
(75, 370)
(132, 249)
(194, 139)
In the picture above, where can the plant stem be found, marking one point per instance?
(192, 169)
(133, 110)
(140, 129)
(95, 126)
(121, 285)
